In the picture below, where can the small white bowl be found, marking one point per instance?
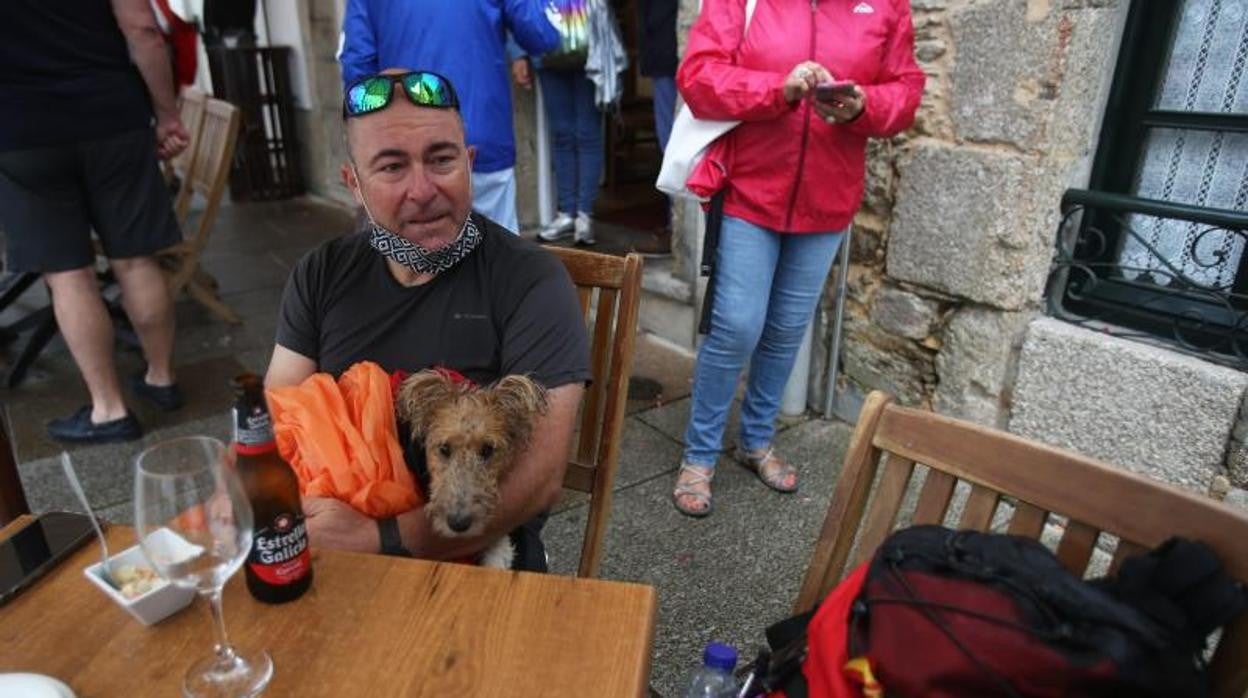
(150, 608)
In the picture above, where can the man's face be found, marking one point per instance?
(413, 171)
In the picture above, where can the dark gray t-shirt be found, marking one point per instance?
(507, 308)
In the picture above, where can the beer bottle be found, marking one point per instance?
(279, 568)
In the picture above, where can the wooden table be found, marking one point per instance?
(370, 625)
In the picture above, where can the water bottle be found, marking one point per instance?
(715, 679)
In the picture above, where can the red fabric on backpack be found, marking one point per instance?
(911, 655)
(828, 640)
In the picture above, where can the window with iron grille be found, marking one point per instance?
(1156, 246)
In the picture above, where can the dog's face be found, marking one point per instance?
(470, 436)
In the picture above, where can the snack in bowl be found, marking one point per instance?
(144, 594)
(136, 580)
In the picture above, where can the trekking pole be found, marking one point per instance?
(834, 357)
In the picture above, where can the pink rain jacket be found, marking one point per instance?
(784, 167)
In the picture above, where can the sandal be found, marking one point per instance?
(690, 487)
(769, 468)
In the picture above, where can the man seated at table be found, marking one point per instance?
(430, 283)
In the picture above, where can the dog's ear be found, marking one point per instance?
(519, 399)
(419, 396)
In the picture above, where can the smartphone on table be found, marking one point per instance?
(34, 550)
(833, 91)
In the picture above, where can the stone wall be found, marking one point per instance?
(952, 247)
(1149, 409)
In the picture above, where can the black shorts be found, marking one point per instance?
(52, 198)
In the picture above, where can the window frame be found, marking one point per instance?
(1094, 221)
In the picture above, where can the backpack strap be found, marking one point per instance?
(779, 665)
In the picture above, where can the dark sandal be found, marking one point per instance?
(687, 489)
(772, 475)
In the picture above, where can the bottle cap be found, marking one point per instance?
(720, 656)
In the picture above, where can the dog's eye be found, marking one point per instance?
(444, 450)
(486, 451)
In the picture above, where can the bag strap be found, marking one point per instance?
(710, 244)
(749, 12)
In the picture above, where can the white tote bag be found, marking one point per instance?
(689, 140)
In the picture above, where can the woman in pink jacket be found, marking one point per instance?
(792, 178)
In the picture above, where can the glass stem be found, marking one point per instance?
(221, 647)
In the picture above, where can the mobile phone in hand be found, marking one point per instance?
(833, 91)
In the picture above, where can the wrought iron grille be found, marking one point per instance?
(1193, 296)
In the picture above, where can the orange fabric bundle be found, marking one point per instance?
(342, 441)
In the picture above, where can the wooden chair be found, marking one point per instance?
(1039, 480)
(207, 176)
(616, 283)
(193, 105)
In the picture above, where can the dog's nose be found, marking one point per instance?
(459, 522)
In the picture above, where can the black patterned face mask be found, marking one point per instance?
(417, 258)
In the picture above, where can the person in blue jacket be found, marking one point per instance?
(465, 42)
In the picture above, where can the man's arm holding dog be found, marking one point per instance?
(531, 487)
(287, 367)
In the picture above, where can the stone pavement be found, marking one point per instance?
(723, 578)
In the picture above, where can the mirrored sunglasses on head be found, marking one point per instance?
(375, 92)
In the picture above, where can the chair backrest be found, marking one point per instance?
(609, 288)
(193, 103)
(211, 165)
(1037, 481)
(210, 168)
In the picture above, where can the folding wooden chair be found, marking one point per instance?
(207, 175)
(611, 287)
(1097, 497)
(194, 103)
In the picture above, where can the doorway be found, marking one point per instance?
(628, 203)
(628, 210)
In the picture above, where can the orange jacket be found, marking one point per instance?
(342, 441)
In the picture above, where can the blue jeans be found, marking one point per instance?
(766, 288)
(494, 196)
(664, 115)
(664, 108)
(576, 129)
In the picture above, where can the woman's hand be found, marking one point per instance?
(842, 109)
(802, 79)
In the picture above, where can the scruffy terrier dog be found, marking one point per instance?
(470, 435)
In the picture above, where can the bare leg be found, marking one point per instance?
(147, 303)
(88, 330)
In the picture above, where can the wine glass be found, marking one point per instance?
(195, 528)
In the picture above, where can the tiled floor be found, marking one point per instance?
(725, 577)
